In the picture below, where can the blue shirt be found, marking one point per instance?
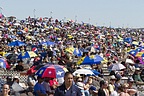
(73, 91)
(39, 87)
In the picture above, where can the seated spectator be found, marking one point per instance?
(19, 67)
(132, 89)
(31, 81)
(136, 76)
(124, 91)
(111, 85)
(93, 91)
(16, 88)
(80, 85)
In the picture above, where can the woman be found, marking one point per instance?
(124, 90)
(5, 90)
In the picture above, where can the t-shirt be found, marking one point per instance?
(39, 87)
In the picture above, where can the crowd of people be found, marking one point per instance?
(64, 43)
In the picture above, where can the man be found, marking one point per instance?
(68, 88)
(46, 85)
(39, 89)
(17, 89)
(136, 76)
(132, 90)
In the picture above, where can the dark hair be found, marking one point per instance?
(102, 82)
(137, 61)
(67, 73)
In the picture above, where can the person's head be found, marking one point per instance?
(137, 70)
(46, 79)
(5, 89)
(9, 78)
(68, 78)
(92, 90)
(130, 81)
(112, 79)
(124, 87)
(102, 83)
(16, 79)
(40, 79)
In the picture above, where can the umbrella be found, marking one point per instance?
(52, 71)
(27, 54)
(70, 50)
(48, 43)
(16, 43)
(77, 52)
(89, 60)
(3, 63)
(84, 72)
(90, 48)
(31, 70)
(118, 67)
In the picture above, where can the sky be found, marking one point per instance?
(114, 13)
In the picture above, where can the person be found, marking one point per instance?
(136, 76)
(111, 86)
(39, 89)
(16, 88)
(68, 88)
(19, 67)
(5, 90)
(124, 91)
(93, 91)
(31, 81)
(132, 89)
(101, 90)
(46, 85)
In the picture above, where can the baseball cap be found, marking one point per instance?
(130, 80)
(92, 88)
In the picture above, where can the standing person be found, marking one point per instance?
(68, 88)
(5, 90)
(101, 91)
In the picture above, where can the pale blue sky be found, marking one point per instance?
(118, 13)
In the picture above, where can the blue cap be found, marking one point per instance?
(92, 88)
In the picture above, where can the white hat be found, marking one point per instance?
(137, 69)
(80, 85)
(129, 61)
(16, 77)
(112, 77)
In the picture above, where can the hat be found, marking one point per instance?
(137, 69)
(130, 80)
(92, 88)
(112, 77)
(16, 77)
(129, 61)
(80, 85)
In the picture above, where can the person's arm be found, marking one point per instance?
(131, 91)
(40, 94)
